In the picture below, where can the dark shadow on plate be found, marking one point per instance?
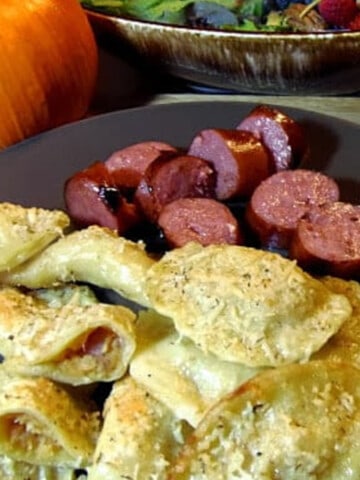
(109, 296)
(350, 190)
(333, 155)
(323, 141)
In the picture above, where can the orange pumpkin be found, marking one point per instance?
(48, 66)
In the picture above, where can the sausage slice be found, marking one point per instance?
(128, 165)
(168, 178)
(282, 135)
(327, 240)
(239, 158)
(281, 200)
(201, 220)
(92, 197)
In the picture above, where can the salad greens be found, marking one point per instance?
(165, 11)
(250, 12)
(245, 15)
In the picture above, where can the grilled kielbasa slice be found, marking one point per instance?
(284, 138)
(327, 240)
(240, 159)
(92, 197)
(168, 178)
(203, 220)
(128, 165)
(281, 200)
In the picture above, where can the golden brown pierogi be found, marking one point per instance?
(245, 305)
(294, 422)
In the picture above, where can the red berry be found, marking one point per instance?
(338, 13)
(355, 23)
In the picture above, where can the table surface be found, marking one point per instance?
(121, 85)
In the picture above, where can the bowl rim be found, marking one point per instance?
(328, 34)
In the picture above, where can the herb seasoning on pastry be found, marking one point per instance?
(344, 346)
(139, 438)
(295, 422)
(95, 255)
(178, 373)
(245, 305)
(25, 232)
(75, 344)
(42, 424)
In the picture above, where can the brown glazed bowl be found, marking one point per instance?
(325, 63)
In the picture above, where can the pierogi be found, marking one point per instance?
(95, 255)
(345, 344)
(178, 373)
(295, 422)
(41, 423)
(72, 343)
(238, 343)
(25, 232)
(245, 305)
(140, 436)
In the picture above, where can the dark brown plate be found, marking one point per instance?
(33, 172)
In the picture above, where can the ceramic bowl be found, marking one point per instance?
(326, 63)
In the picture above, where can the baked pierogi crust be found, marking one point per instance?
(345, 344)
(178, 373)
(295, 422)
(245, 305)
(95, 255)
(140, 436)
(74, 343)
(24, 232)
(41, 423)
